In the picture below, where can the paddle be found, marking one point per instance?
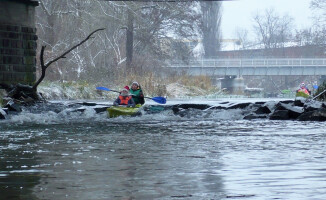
(106, 89)
(160, 100)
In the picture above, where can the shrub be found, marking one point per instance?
(321, 89)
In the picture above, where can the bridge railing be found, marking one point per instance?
(280, 62)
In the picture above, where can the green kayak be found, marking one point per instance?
(116, 111)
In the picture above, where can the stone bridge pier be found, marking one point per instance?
(17, 41)
(233, 84)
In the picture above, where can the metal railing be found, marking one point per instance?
(279, 62)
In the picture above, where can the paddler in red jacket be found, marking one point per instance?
(124, 99)
(304, 89)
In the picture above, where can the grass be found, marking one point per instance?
(151, 85)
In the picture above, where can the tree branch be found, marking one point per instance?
(45, 66)
(72, 48)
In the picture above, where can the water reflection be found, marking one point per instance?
(121, 161)
(19, 172)
(148, 158)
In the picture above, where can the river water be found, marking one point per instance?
(215, 155)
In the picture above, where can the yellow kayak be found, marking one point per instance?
(302, 94)
(116, 111)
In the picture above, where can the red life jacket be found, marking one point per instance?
(124, 100)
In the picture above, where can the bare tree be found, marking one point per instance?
(242, 35)
(153, 22)
(315, 35)
(134, 31)
(273, 30)
(319, 6)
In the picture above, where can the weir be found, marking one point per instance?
(17, 41)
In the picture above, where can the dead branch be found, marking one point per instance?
(45, 66)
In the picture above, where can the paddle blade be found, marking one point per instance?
(160, 100)
(103, 88)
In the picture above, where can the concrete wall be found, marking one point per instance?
(17, 42)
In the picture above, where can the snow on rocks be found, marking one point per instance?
(299, 109)
(273, 110)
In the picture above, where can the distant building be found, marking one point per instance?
(17, 41)
(169, 44)
(230, 44)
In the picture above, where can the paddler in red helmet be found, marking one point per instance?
(304, 89)
(124, 99)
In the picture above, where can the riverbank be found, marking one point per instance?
(84, 90)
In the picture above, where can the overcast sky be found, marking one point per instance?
(239, 13)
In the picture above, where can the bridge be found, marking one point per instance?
(253, 67)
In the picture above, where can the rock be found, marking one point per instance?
(287, 101)
(176, 110)
(280, 115)
(22, 91)
(216, 108)
(312, 106)
(195, 106)
(6, 100)
(28, 100)
(240, 105)
(12, 106)
(260, 103)
(88, 104)
(253, 116)
(293, 111)
(181, 109)
(299, 101)
(271, 105)
(6, 110)
(96, 109)
(101, 109)
(191, 112)
(263, 110)
(78, 110)
(316, 115)
(3, 114)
